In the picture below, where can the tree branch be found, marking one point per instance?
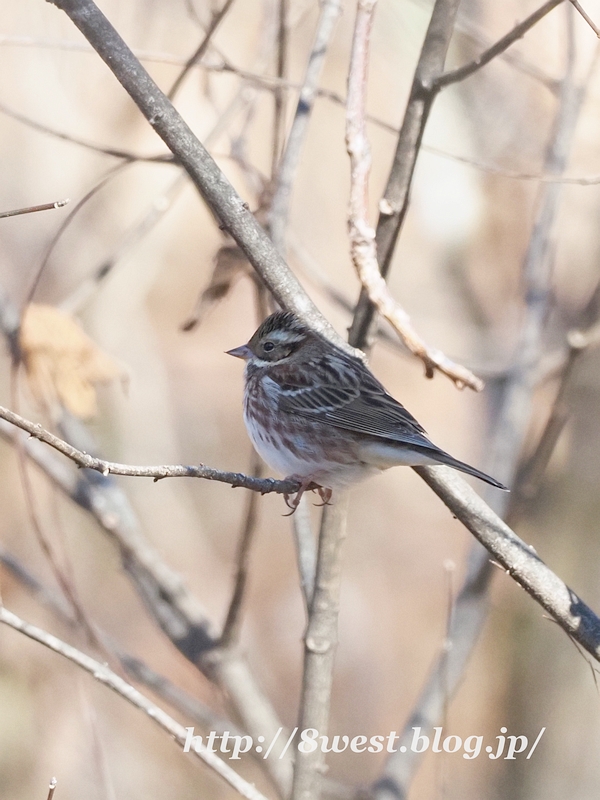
(362, 236)
(103, 674)
(394, 203)
(496, 49)
(278, 216)
(235, 479)
(319, 647)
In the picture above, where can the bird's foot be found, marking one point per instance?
(306, 485)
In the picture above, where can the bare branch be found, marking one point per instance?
(394, 204)
(126, 155)
(586, 17)
(496, 49)
(362, 236)
(319, 647)
(330, 10)
(231, 628)
(519, 559)
(106, 676)
(176, 610)
(235, 479)
(217, 18)
(306, 550)
(15, 212)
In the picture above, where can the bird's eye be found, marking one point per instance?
(268, 346)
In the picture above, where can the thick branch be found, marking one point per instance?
(319, 647)
(518, 559)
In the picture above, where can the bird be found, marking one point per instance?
(317, 414)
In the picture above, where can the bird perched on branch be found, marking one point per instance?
(319, 416)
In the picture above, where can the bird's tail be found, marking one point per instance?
(445, 458)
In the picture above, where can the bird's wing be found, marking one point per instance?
(352, 399)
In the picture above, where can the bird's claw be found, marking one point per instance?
(292, 502)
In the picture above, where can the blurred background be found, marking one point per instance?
(174, 397)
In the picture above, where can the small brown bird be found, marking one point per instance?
(319, 416)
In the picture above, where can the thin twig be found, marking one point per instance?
(132, 237)
(196, 57)
(235, 479)
(362, 236)
(319, 647)
(51, 788)
(126, 155)
(135, 668)
(231, 628)
(106, 676)
(108, 176)
(31, 209)
(496, 49)
(278, 217)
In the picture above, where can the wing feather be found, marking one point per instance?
(350, 397)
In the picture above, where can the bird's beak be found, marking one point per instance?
(240, 352)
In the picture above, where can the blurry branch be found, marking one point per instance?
(196, 57)
(195, 711)
(578, 342)
(108, 176)
(31, 209)
(175, 609)
(306, 550)
(320, 643)
(586, 17)
(231, 628)
(106, 676)
(362, 235)
(280, 204)
(129, 240)
(428, 79)
(496, 49)
(279, 92)
(235, 479)
(51, 788)
(212, 184)
(542, 177)
(126, 155)
(471, 605)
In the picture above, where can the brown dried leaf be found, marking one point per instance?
(62, 363)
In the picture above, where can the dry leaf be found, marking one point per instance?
(62, 363)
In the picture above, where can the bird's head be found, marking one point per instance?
(278, 338)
